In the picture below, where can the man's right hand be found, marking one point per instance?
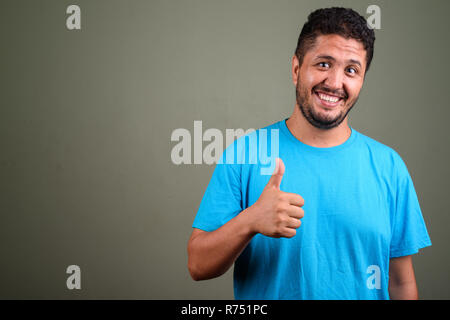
(277, 213)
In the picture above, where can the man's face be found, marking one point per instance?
(329, 80)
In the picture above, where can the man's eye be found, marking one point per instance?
(323, 64)
(351, 70)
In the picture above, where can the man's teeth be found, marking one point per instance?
(327, 97)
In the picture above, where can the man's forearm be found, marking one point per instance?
(402, 281)
(211, 254)
(403, 291)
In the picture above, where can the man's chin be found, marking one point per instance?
(321, 117)
(325, 125)
(325, 121)
(322, 122)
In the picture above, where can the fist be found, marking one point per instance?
(276, 213)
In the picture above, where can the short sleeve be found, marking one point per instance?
(409, 232)
(222, 199)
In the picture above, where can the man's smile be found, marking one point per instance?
(328, 100)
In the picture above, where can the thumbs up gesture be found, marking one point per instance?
(277, 213)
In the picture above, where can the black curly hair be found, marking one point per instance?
(341, 21)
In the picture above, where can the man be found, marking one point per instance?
(339, 217)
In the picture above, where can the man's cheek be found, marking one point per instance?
(351, 101)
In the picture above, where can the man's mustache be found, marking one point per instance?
(334, 92)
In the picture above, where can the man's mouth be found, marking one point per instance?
(327, 99)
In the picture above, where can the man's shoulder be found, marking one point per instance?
(379, 150)
(246, 139)
(266, 129)
(272, 126)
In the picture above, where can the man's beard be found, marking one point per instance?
(313, 117)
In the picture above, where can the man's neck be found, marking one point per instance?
(315, 137)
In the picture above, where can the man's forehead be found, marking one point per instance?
(338, 47)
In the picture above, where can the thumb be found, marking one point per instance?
(277, 175)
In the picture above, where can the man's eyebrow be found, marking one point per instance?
(326, 57)
(355, 62)
(333, 59)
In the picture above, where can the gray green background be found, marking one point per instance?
(86, 116)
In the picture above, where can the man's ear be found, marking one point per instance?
(295, 69)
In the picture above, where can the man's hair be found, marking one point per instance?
(341, 21)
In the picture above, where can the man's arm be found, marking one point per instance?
(211, 254)
(275, 214)
(402, 282)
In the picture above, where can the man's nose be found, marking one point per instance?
(335, 80)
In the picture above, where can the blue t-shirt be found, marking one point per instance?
(361, 209)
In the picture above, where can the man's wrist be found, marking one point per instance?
(248, 221)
